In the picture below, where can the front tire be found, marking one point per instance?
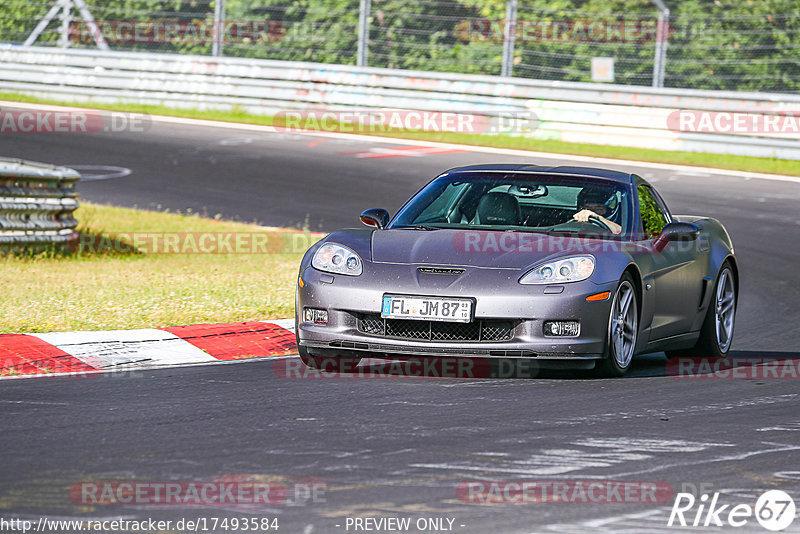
(716, 334)
(623, 330)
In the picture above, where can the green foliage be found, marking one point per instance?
(323, 31)
(18, 18)
(558, 39)
(425, 36)
(653, 218)
(746, 45)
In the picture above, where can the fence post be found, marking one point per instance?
(88, 19)
(66, 22)
(362, 54)
(662, 34)
(509, 36)
(219, 30)
(65, 7)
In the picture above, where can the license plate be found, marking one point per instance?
(427, 308)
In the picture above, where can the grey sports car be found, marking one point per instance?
(575, 265)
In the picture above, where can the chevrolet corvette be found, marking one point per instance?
(582, 266)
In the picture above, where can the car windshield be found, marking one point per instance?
(520, 202)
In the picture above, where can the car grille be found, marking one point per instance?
(486, 330)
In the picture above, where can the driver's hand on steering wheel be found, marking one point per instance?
(584, 214)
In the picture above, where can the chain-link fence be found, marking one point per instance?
(745, 45)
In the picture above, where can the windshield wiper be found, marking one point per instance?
(560, 231)
(526, 231)
(600, 234)
(419, 227)
(512, 230)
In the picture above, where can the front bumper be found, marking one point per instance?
(347, 298)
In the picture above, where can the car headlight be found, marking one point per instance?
(572, 269)
(333, 258)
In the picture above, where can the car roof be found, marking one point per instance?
(565, 170)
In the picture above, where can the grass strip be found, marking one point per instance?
(122, 276)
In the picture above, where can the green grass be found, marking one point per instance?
(107, 287)
(737, 163)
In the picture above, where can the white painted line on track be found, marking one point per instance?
(99, 172)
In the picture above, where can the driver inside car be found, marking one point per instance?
(594, 202)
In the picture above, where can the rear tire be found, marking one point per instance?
(623, 330)
(716, 334)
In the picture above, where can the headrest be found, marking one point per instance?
(498, 208)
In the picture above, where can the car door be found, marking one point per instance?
(675, 271)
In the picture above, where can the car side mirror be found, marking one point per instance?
(376, 217)
(676, 231)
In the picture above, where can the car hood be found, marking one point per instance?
(472, 248)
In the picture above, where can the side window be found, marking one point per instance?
(653, 217)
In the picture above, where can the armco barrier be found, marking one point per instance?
(37, 203)
(567, 111)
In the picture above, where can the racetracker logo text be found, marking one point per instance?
(196, 243)
(735, 368)
(400, 120)
(492, 242)
(228, 490)
(177, 31)
(413, 367)
(14, 121)
(570, 492)
(563, 31)
(723, 122)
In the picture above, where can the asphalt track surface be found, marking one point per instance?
(400, 447)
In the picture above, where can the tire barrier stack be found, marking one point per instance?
(37, 206)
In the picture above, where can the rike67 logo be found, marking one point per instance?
(774, 510)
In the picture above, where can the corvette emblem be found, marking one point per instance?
(439, 270)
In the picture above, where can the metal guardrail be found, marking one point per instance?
(37, 205)
(566, 111)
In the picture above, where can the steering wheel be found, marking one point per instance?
(599, 223)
